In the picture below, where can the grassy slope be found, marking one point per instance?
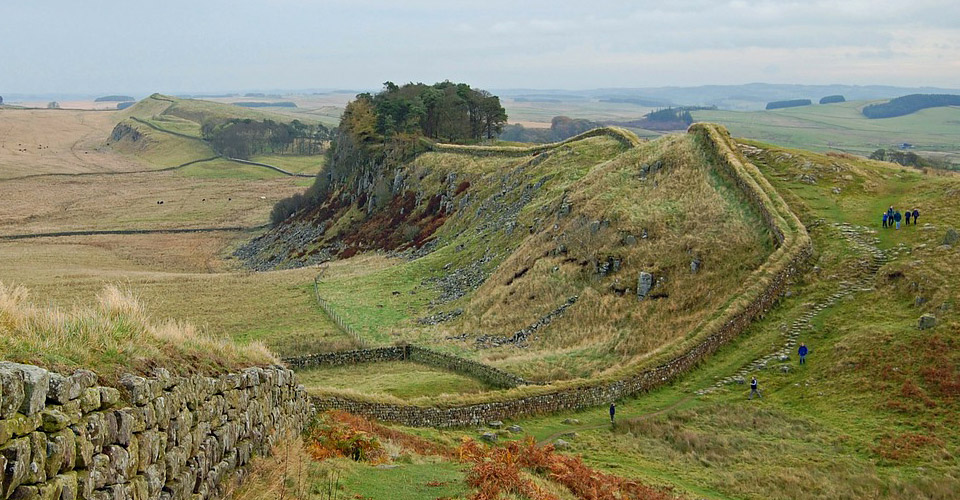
(685, 210)
(842, 127)
(874, 412)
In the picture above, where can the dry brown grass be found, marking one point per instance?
(113, 337)
(71, 143)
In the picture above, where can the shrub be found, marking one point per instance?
(793, 103)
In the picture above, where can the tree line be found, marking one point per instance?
(243, 138)
(907, 104)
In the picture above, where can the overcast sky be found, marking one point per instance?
(96, 46)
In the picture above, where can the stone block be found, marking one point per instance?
(62, 389)
(90, 399)
(16, 453)
(68, 486)
(38, 458)
(53, 419)
(134, 389)
(109, 397)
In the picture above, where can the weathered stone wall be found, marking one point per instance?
(623, 136)
(484, 373)
(793, 250)
(172, 438)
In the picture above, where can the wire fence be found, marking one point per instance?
(333, 315)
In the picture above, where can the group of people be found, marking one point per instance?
(892, 218)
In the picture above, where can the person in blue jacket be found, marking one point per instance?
(897, 216)
(613, 411)
(755, 388)
(916, 214)
(802, 352)
(884, 219)
(907, 214)
(890, 217)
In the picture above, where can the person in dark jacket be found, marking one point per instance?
(613, 411)
(916, 215)
(890, 216)
(907, 215)
(802, 352)
(755, 388)
(884, 219)
(897, 217)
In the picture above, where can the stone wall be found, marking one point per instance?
(172, 438)
(794, 248)
(489, 375)
(621, 135)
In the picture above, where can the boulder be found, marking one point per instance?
(571, 421)
(489, 437)
(560, 444)
(496, 424)
(515, 429)
(927, 321)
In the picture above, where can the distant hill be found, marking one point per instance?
(114, 98)
(910, 104)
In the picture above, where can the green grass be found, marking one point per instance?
(842, 127)
(400, 379)
(407, 481)
(293, 163)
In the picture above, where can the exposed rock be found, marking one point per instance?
(440, 317)
(927, 321)
(785, 368)
(644, 284)
(489, 437)
(571, 421)
(515, 429)
(520, 336)
(560, 444)
(496, 424)
(951, 237)
(695, 266)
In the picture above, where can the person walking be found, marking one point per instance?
(890, 216)
(916, 215)
(754, 388)
(613, 412)
(802, 352)
(906, 215)
(884, 219)
(897, 216)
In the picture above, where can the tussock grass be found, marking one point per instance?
(113, 337)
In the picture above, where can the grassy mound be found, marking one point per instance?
(529, 259)
(115, 336)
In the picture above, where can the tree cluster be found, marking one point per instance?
(445, 111)
(243, 138)
(909, 104)
(832, 99)
(792, 103)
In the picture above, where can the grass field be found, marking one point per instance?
(841, 127)
(402, 379)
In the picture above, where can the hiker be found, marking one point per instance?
(916, 215)
(884, 219)
(753, 388)
(907, 215)
(890, 216)
(613, 411)
(802, 352)
(897, 216)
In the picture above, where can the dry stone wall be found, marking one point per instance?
(162, 437)
(489, 375)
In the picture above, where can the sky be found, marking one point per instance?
(176, 46)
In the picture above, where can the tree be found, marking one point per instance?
(53, 105)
